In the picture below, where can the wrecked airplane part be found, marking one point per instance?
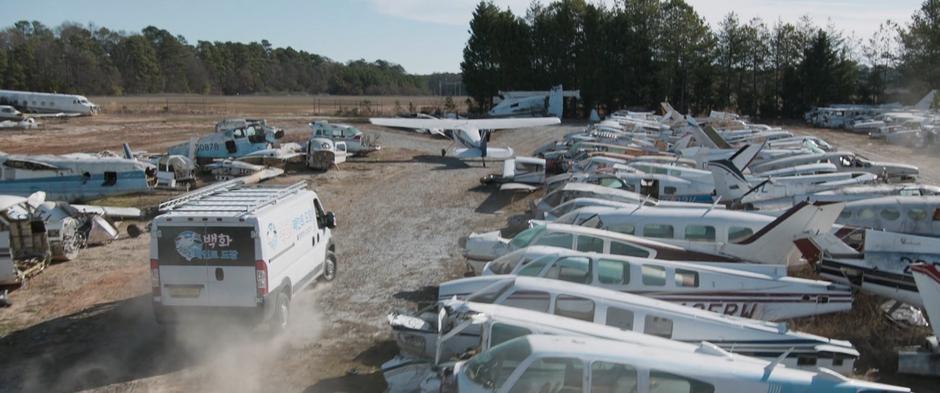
(324, 153)
(73, 177)
(356, 142)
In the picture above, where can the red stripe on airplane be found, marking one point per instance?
(927, 270)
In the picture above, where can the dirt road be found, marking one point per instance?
(87, 324)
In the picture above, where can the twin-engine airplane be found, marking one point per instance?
(473, 134)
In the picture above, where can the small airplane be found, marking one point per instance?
(532, 103)
(925, 360)
(537, 363)
(627, 311)
(77, 176)
(883, 267)
(233, 138)
(472, 134)
(747, 290)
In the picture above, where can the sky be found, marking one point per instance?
(424, 36)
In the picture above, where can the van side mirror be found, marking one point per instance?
(330, 220)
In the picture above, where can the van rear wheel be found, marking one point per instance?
(281, 313)
(329, 268)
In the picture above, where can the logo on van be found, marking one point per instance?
(189, 245)
(271, 234)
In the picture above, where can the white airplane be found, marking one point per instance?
(883, 267)
(473, 134)
(926, 360)
(746, 337)
(537, 363)
(531, 103)
(747, 290)
(49, 103)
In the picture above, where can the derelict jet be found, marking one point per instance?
(627, 311)
(532, 103)
(926, 360)
(233, 138)
(472, 134)
(77, 176)
(48, 103)
(883, 267)
(747, 290)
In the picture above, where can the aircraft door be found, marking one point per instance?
(650, 187)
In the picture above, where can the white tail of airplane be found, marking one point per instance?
(927, 102)
(927, 278)
(556, 102)
(730, 182)
(776, 239)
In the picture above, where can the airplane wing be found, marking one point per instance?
(109, 211)
(479, 124)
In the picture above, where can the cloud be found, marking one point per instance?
(861, 17)
(445, 12)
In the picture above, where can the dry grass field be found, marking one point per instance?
(317, 105)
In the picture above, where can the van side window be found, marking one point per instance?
(738, 234)
(529, 300)
(686, 278)
(664, 231)
(613, 272)
(658, 326)
(700, 233)
(110, 179)
(654, 275)
(321, 215)
(618, 248)
(555, 239)
(590, 244)
(661, 381)
(501, 333)
(565, 373)
(612, 378)
(575, 307)
(571, 269)
(618, 318)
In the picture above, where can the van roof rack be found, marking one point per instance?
(230, 198)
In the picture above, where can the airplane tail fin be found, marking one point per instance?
(774, 243)
(707, 136)
(682, 143)
(927, 277)
(745, 156)
(927, 102)
(128, 154)
(556, 102)
(730, 183)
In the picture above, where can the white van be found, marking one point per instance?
(228, 250)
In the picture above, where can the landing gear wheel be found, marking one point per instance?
(329, 269)
(281, 313)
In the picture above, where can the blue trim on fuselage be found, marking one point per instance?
(76, 187)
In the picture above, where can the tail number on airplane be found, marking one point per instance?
(744, 310)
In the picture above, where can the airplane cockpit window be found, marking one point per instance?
(566, 374)
(890, 214)
(662, 327)
(238, 133)
(534, 267)
(575, 307)
(653, 275)
(501, 333)
(612, 377)
(661, 381)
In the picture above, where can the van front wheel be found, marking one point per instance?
(329, 268)
(281, 313)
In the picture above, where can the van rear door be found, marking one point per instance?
(230, 264)
(184, 276)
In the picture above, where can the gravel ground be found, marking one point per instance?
(402, 212)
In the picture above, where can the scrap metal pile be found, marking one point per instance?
(659, 258)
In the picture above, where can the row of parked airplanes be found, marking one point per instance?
(659, 260)
(39, 192)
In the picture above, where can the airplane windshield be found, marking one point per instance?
(492, 368)
(525, 237)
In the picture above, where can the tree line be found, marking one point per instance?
(97, 61)
(637, 53)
